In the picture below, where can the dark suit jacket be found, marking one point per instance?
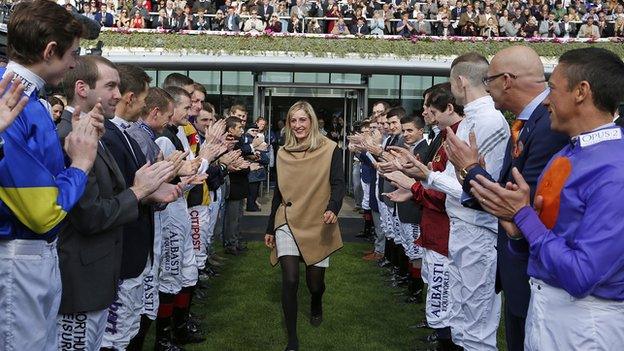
(138, 238)
(440, 31)
(410, 212)
(235, 21)
(90, 243)
(364, 30)
(265, 15)
(106, 20)
(539, 144)
(239, 181)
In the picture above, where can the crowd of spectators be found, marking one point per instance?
(486, 18)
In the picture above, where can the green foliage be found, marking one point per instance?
(321, 47)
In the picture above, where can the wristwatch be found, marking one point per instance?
(463, 173)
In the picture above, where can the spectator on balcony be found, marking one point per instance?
(274, 25)
(405, 27)
(491, 28)
(482, 19)
(429, 9)
(567, 29)
(360, 28)
(377, 24)
(579, 6)
(300, 9)
(200, 21)
(186, 20)
(218, 22)
(170, 9)
(341, 27)
(334, 12)
(162, 21)
(141, 10)
(232, 20)
(618, 12)
(541, 13)
(104, 18)
(446, 29)
(589, 30)
(469, 15)
(591, 13)
(314, 27)
(502, 21)
(523, 19)
(160, 5)
(207, 5)
(265, 10)
(550, 28)
(457, 11)
(574, 16)
(619, 27)
(469, 29)
(530, 29)
(87, 12)
(559, 11)
(282, 14)
(422, 27)
(123, 21)
(295, 25)
(605, 28)
(137, 22)
(443, 12)
(254, 24)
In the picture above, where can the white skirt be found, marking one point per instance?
(286, 245)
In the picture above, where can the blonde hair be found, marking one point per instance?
(315, 138)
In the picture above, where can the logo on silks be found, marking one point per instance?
(195, 230)
(73, 333)
(438, 298)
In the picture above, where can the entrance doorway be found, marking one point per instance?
(338, 105)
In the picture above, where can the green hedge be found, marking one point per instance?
(320, 47)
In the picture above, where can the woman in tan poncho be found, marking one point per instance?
(303, 224)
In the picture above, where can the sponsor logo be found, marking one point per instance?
(600, 136)
(73, 332)
(195, 230)
(113, 316)
(439, 290)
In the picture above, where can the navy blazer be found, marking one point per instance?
(540, 143)
(138, 236)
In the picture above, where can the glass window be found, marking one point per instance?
(237, 83)
(152, 74)
(307, 77)
(346, 78)
(276, 77)
(383, 87)
(438, 80)
(211, 80)
(412, 88)
(163, 74)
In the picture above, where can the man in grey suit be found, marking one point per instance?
(90, 244)
(232, 20)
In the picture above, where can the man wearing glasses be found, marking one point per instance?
(531, 145)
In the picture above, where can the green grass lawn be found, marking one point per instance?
(361, 311)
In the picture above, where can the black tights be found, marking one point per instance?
(315, 279)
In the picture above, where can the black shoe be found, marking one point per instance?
(431, 338)
(316, 320)
(414, 299)
(253, 209)
(185, 335)
(166, 345)
(362, 234)
(292, 348)
(421, 325)
(242, 248)
(383, 263)
(232, 250)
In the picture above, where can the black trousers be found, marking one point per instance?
(252, 196)
(514, 330)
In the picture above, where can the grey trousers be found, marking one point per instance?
(233, 213)
(380, 238)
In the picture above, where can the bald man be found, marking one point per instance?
(515, 80)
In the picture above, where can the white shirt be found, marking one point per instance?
(30, 80)
(492, 132)
(122, 125)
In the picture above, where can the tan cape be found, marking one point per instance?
(303, 180)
